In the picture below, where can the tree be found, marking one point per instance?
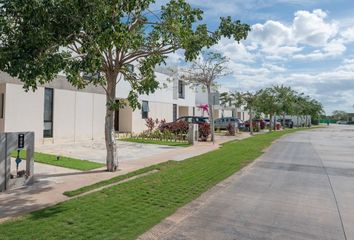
(249, 100)
(204, 72)
(39, 39)
(267, 103)
(285, 98)
(236, 100)
(340, 115)
(225, 99)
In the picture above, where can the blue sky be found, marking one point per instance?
(306, 44)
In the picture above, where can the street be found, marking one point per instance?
(301, 188)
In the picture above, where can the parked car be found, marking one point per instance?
(342, 122)
(222, 123)
(288, 122)
(266, 121)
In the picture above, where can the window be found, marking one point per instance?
(48, 113)
(130, 67)
(2, 104)
(181, 89)
(174, 112)
(145, 110)
(90, 76)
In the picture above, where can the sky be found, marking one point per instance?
(305, 44)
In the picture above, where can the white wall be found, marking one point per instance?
(160, 103)
(76, 116)
(99, 113)
(157, 110)
(24, 111)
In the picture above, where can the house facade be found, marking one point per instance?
(219, 110)
(173, 99)
(55, 112)
(58, 112)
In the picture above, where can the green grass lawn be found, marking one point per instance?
(127, 210)
(148, 141)
(63, 161)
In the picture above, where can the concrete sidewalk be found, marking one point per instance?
(51, 181)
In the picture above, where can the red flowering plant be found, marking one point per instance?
(179, 127)
(204, 131)
(204, 108)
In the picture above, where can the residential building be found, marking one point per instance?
(55, 112)
(220, 110)
(173, 99)
(58, 112)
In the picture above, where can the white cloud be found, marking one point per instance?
(311, 29)
(237, 52)
(307, 30)
(333, 49)
(348, 35)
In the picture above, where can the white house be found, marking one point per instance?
(171, 100)
(55, 112)
(58, 112)
(219, 110)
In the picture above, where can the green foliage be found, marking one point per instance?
(40, 38)
(66, 162)
(340, 115)
(129, 209)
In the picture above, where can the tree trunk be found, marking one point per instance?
(111, 144)
(211, 117)
(283, 120)
(270, 122)
(251, 125)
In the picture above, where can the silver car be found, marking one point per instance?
(222, 123)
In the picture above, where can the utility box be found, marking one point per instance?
(193, 133)
(10, 142)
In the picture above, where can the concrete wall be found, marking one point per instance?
(126, 119)
(24, 111)
(157, 110)
(76, 115)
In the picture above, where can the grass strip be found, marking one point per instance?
(66, 162)
(159, 142)
(115, 179)
(127, 210)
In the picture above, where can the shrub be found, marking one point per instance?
(231, 131)
(150, 123)
(262, 124)
(204, 131)
(179, 127)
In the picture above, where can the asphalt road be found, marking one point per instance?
(301, 188)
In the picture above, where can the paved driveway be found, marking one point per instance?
(96, 150)
(301, 188)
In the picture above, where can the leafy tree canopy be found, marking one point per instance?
(41, 38)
